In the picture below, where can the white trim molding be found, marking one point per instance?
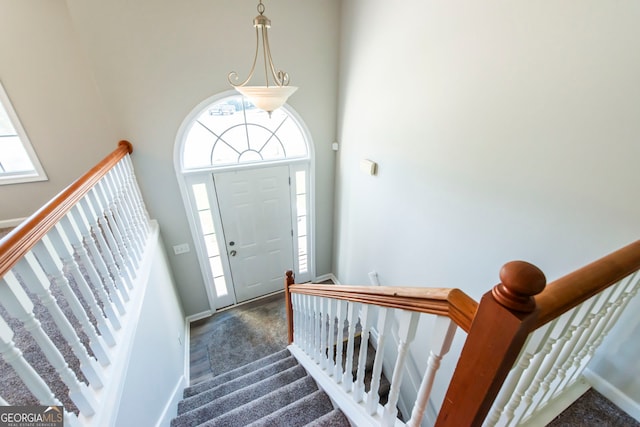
(8, 223)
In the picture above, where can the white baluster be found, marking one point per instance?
(63, 250)
(299, 326)
(13, 356)
(112, 234)
(71, 420)
(599, 309)
(558, 335)
(331, 350)
(308, 324)
(134, 189)
(408, 323)
(315, 354)
(385, 319)
(113, 280)
(365, 323)
(525, 383)
(92, 217)
(565, 359)
(296, 320)
(129, 252)
(341, 311)
(352, 317)
(95, 282)
(35, 279)
(441, 338)
(505, 396)
(323, 333)
(53, 266)
(595, 307)
(136, 226)
(538, 371)
(128, 247)
(17, 303)
(615, 309)
(121, 213)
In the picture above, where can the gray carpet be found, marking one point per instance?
(593, 410)
(12, 389)
(236, 332)
(237, 336)
(272, 391)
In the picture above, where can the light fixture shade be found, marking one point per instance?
(267, 98)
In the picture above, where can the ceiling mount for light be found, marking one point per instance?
(271, 96)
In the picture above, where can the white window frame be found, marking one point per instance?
(37, 173)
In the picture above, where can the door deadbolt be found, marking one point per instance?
(233, 253)
(232, 243)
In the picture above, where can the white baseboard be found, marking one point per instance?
(198, 316)
(324, 277)
(611, 392)
(171, 408)
(8, 223)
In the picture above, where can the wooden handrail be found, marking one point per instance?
(25, 236)
(442, 301)
(499, 330)
(571, 290)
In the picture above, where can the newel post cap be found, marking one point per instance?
(126, 144)
(289, 277)
(520, 281)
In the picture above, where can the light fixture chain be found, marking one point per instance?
(268, 62)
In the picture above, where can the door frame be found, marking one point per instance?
(187, 178)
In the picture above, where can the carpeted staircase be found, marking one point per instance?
(272, 391)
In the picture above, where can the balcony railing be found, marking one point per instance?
(70, 285)
(527, 342)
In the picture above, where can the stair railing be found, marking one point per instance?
(548, 334)
(322, 316)
(524, 358)
(73, 264)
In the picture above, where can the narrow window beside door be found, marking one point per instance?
(209, 237)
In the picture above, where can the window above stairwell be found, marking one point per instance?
(18, 160)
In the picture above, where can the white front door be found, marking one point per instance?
(255, 209)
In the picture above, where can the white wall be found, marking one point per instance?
(49, 81)
(615, 363)
(503, 130)
(154, 61)
(155, 372)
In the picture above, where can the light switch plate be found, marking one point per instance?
(368, 166)
(181, 249)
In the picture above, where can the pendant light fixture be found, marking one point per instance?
(273, 95)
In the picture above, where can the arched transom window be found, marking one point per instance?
(233, 131)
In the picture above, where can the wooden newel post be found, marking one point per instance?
(499, 329)
(289, 280)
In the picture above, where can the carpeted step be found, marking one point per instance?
(238, 372)
(334, 418)
(265, 405)
(253, 377)
(240, 397)
(299, 413)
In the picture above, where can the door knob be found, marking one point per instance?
(233, 253)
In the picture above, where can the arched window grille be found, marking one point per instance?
(233, 131)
